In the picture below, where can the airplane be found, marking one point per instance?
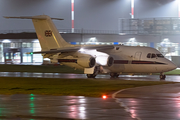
(97, 59)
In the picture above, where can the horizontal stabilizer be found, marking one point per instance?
(40, 17)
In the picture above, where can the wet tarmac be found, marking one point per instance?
(174, 78)
(160, 102)
(38, 107)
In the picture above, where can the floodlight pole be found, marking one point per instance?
(178, 8)
(132, 9)
(72, 15)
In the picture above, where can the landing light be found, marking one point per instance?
(81, 50)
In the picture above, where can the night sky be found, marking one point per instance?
(89, 14)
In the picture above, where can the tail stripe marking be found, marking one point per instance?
(56, 40)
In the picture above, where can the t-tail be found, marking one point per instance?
(47, 33)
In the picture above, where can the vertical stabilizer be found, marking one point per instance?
(47, 32)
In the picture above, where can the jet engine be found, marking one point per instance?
(110, 61)
(86, 62)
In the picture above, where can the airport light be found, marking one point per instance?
(36, 41)
(92, 39)
(6, 41)
(104, 96)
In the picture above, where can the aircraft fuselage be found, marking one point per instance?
(128, 59)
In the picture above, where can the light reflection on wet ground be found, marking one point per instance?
(160, 102)
(151, 103)
(175, 78)
(59, 107)
(152, 108)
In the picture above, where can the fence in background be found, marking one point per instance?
(149, 26)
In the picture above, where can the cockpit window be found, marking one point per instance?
(160, 55)
(149, 55)
(153, 55)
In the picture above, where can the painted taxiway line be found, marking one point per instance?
(121, 103)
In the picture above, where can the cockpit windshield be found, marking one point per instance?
(153, 55)
(160, 55)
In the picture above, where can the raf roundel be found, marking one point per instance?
(48, 33)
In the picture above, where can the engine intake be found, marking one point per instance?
(110, 61)
(86, 62)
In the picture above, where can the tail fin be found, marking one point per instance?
(47, 32)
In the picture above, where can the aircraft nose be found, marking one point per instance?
(172, 66)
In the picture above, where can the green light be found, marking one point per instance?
(32, 105)
(31, 53)
(32, 111)
(32, 98)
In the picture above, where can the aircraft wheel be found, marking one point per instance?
(162, 77)
(114, 75)
(91, 75)
(96, 71)
(117, 74)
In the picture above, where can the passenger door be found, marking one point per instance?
(137, 55)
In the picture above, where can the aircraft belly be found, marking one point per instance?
(140, 68)
(73, 65)
(144, 68)
(128, 68)
(117, 68)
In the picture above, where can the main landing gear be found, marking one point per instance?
(114, 75)
(162, 76)
(96, 71)
(91, 75)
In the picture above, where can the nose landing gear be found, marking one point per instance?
(162, 76)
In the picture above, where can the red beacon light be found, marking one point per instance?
(104, 96)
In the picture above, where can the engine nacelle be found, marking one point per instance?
(86, 62)
(110, 61)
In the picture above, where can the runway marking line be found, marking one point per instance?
(122, 103)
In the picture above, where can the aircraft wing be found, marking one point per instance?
(73, 49)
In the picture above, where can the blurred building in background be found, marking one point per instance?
(153, 23)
